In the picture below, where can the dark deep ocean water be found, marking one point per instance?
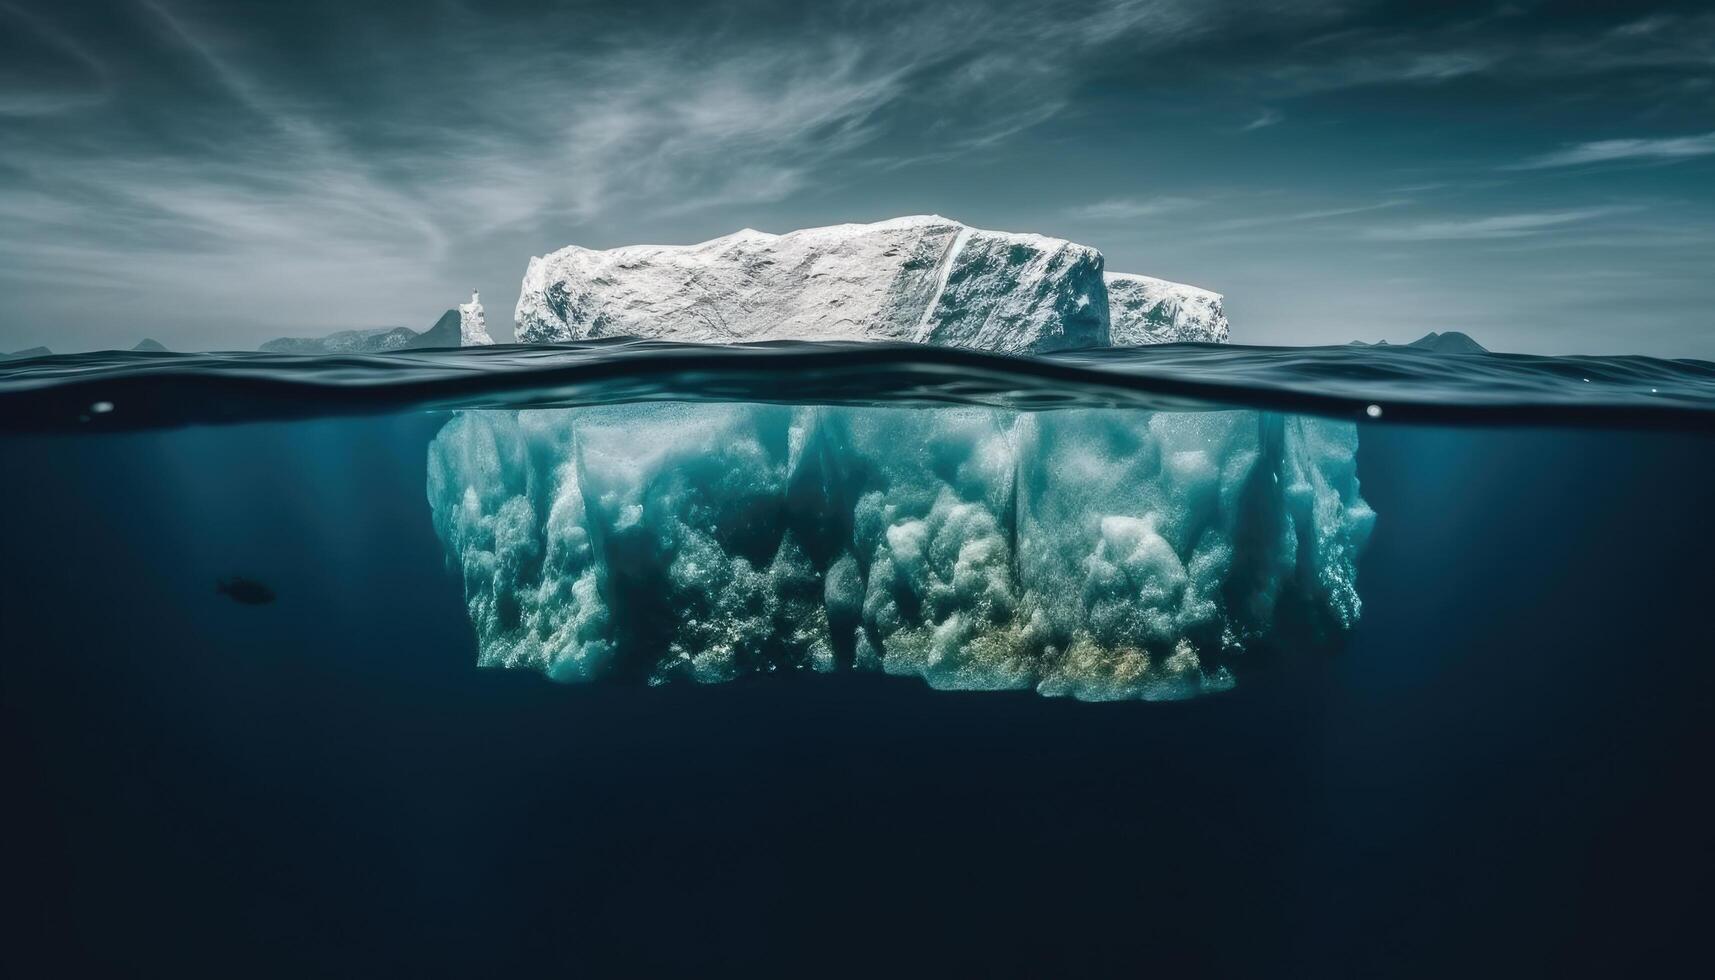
(1499, 769)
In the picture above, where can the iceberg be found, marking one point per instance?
(473, 327)
(1099, 554)
(923, 279)
(1145, 310)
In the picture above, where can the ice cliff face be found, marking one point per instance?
(1144, 310)
(1100, 554)
(923, 279)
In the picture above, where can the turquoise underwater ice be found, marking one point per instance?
(1100, 554)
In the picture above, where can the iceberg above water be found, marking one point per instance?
(473, 326)
(921, 279)
(1099, 554)
(1145, 310)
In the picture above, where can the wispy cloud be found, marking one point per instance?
(1264, 119)
(39, 93)
(1662, 150)
(1306, 217)
(1133, 208)
(1501, 44)
(693, 113)
(1498, 226)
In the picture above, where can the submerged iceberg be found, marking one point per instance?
(1100, 554)
(923, 279)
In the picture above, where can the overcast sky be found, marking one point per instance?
(214, 174)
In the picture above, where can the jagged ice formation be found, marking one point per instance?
(473, 327)
(1100, 554)
(1145, 310)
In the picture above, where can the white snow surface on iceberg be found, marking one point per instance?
(1145, 310)
(1098, 554)
(924, 279)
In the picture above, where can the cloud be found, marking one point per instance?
(1499, 226)
(1133, 208)
(1305, 217)
(1265, 119)
(1664, 150)
(684, 112)
(1506, 44)
(725, 117)
(54, 73)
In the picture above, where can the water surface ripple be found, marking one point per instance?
(131, 390)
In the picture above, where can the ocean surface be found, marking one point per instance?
(641, 659)
(1408, 384)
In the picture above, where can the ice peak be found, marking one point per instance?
(473, 326)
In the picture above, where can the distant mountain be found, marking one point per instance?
(345, 342)
(151, 345)
(445, 333)
(28, 352)
(1450, 342)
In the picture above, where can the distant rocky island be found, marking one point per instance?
(1447, 342)
(462, 327)
(352, 342)
(146, 345)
